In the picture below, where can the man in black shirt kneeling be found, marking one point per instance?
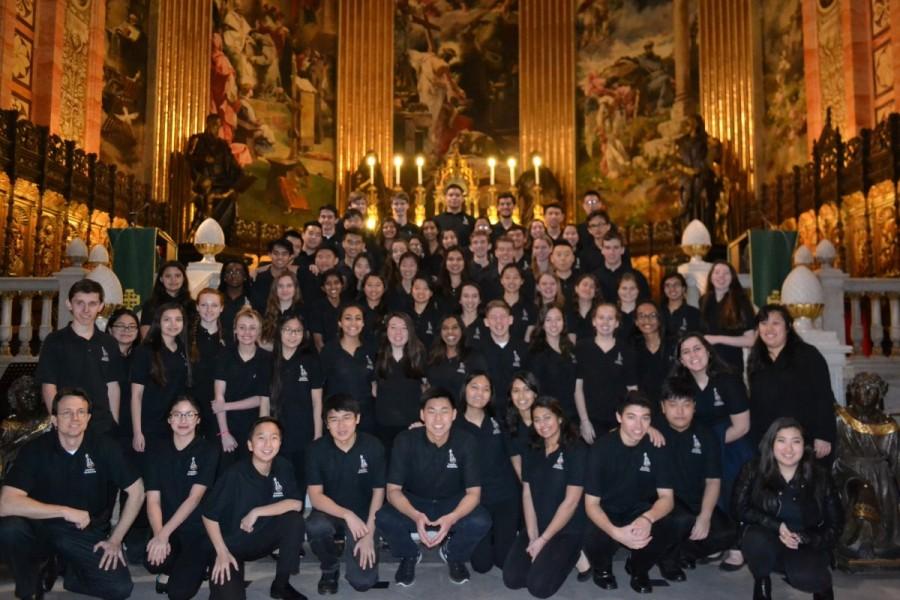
(434, 489)
(345, 472)
(254, 508)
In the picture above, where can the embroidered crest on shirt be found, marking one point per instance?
(461, 368)
(304, 376)
(278, 490)
(369, 364)
(496, 426)
(428, 329)
(192, 470)
(517, 362)
(646, 466)
(683, 324)
(451, 462)
(363, 465)
(718, 398)
(697, 449)
(524, 314)
(560, 463)
(88, 465)
(105, 356)
(476, 335)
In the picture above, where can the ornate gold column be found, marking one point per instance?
(547, 89)
(178, 89)
(365, 87)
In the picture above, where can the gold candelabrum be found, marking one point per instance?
(457, 170)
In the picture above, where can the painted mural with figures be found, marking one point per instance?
(125, 85)
(273, 77)
(456, 78)
(632, 140)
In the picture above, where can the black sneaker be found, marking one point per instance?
(328, 583)
(459, 574)
(285, 592)
(406, 571)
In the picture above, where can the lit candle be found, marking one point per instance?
(420, 162)
(536, 161)
(511, 163)
(398, 162)
(492, 164)
(370, 160)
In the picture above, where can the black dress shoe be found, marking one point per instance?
(285, 592)
(641, 584)
(762, 589)
(688, 563)
(672, 572)
(161, 586)
(49, 573)
(605, 580)
(328, 583)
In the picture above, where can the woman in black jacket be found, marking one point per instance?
(790, 511)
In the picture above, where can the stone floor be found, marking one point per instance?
(706, 583)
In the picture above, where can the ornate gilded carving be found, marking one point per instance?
(883, 59)
(881, 16)
(23, 49)
(831, 61)
(74, 73)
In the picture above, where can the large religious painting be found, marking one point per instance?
(273, 78)
(125, 85)
(456, 84)
(784, 88)
(633, 139)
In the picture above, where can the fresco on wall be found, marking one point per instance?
(632, 138)
(273, 77)
(456, 78)
(784, 89)
(125, 85)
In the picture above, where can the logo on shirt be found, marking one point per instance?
(524, 314)
(646, 466)
(428, 329)
(477, 335)
(304, 376)
(104, 357)
(718, 398)
(369, 364)
(683, 323)
(517, 362)
(363, 465)
(465, 220)
(461, 368)
(560, 464)
(88, 465)
(696, 449)
(278, 489)
(192, 470)
(496, 426)
(619, 360)
(451, 461)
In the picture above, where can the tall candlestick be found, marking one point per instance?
(492, 165)
(420, 162)
(536, 161)
(511, 163)
(370, 160)
(398, 162)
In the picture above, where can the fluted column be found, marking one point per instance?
(547, 89)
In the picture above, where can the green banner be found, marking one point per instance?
(134, 261)
(771, 254)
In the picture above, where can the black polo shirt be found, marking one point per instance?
(349, 374)
(606, 376)
(609, 279)
(310, 287)
(48, 473)
(431, 472)
(723, 396)
(626, 478)
(229, 312)
(299, 376)
(711, 323)
(557, 373)
(582, 327)
(174, 472)
(243, 379)
(477, 332)
(694, 456)
(520, 439)
(399, 394)
(498, 478)
(524, 315)
(69, 360)
(156, 398)
(678, 322)
(427, 322)
(350, 477)
(502, 364)
(459, 222)
(548, 476)
(209, 345)
(450, 373)
(653, 368)
(242, 488)
(590, 258)
(259, 290)
(324, 319)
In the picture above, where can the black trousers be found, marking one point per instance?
(284, 532)
(545, 575)
(600, 547)
(321, 529)
(806, 569)
(186, 564)
(26, 543)
(722, 535)
(493, 548)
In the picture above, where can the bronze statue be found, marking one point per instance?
(699, 186)
(867, 472)
(215, 173)
(27, 419)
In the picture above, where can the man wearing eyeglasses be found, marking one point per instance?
(56, 501)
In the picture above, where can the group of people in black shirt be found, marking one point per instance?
(511, 397)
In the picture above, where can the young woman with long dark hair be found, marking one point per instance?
(726, 315)
(284, 299)
(424, 310)
(580, 308)
(124, 327)
(470, 311)
(323, 322)
(451, 358)
(170, 285)
(553, 358)
(655, 352)
(523, 391)
(372, 299)
(454, 273)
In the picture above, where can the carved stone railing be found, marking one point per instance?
(19, 299)
(874, 310)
